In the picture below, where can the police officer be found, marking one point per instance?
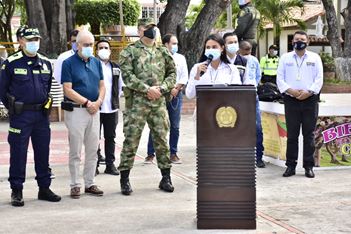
(149, 75)
(269, 65)
(24, 89)
(247, 23)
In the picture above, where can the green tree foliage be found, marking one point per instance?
(105, 12)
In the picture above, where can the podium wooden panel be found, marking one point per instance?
(226, 176)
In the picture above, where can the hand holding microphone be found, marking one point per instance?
(208, 61)
(201, 69)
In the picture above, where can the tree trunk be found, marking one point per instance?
(8, 8)
(343, 68)
(58, 28)
(70, 17)
(346, 13)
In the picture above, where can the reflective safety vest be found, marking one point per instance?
(269, 65)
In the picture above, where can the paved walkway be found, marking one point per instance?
(284, 205)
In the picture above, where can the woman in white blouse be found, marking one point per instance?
(219, 71)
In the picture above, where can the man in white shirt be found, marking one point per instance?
(110, 105)
(174, 106)
(300, 79)
(65, 55)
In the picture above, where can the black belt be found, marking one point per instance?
(33, 107)
(78, 105)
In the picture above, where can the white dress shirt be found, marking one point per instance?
(107, 72)
(224, 74)
(304, 73)
(58, 64)
(182, 69)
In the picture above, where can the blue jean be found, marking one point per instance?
(174, 108)
(259, 133)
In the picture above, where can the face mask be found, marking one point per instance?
(241, 2)
(300, 45)
(275, 52)
(174, 49)
(216, 53)
(232, 48)
(32, 47)
(74, 46)
(150, 33)
(104, 54)
(87, 52)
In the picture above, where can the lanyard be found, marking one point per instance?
(213, 80)
(299, 67)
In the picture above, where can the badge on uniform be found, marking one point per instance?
(3, 67)
(20, 71)
(115, 71)
(310, 64)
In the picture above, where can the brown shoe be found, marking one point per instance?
(94, 190)
(175, 159)
(75, 193)
(149, 159)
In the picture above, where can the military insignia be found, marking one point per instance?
(226, 117)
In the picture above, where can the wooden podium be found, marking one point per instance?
(226, 141)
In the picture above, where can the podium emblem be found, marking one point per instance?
(226, 117)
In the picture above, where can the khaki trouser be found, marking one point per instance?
(82, 128)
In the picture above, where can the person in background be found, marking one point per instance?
(174, 106)
(300, 79)
(254, 73)
(24, 90)
(269, 64)
(84, 90)
(109, 108)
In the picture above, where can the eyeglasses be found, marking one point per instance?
(106, 48)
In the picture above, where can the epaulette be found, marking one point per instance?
(15, 56)
(43, 57)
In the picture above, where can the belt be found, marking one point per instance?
(33, 107)
(75, 105)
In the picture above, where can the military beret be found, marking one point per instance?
(30, 33)
(146, 22)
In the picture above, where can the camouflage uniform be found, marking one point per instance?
(247, 23)
(143, 67)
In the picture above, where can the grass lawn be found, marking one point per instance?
(326, 158)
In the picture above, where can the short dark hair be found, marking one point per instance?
(167, 38)
(229, 34)
(73, 33)
(101, 41)
(245, 45)
(301, 33)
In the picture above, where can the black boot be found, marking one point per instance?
(47, 195)
(111, 169)
(166, 183)
(17, 197)
(126, 189)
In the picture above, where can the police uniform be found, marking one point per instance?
(247, 23)
(143, 67)
(24, 90)
(269, 65)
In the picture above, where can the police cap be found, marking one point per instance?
(273, 47)
(146, 22)
(20, 30)
(30, 33)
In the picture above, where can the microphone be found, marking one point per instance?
(208, 61)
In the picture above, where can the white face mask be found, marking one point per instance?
(232, 48)
(104, 54)
(216, 53)
(275, 52)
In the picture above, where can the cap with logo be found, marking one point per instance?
(146, 22)
(20, 30)
(30, 33)
(274, 47)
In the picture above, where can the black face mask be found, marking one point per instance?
(300, 45)
(150, 33)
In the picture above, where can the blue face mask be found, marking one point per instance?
(32, 47)
(174, 49)
(87, 52)
(242, 2)
(74, 46)
(216, 53)
(232, 48)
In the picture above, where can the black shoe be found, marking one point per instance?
(47, 195)
(126, 189)
(166, 184)
(260, 164)
(289, 172)
(309, 173)
(17, 198)
(111, 169)
(97, 171)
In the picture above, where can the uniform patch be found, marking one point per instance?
(3, 67)
(45, 71)
(310, 64)
(36, 72)
(20, 71)
(15, 130)
(115, 71)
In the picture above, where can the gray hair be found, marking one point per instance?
(84, 33)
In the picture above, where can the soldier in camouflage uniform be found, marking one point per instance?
(149, 74)
(247, 23)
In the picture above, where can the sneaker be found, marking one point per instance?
(149, 159)
(94, 190)
(175, 159)
(75, 193)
